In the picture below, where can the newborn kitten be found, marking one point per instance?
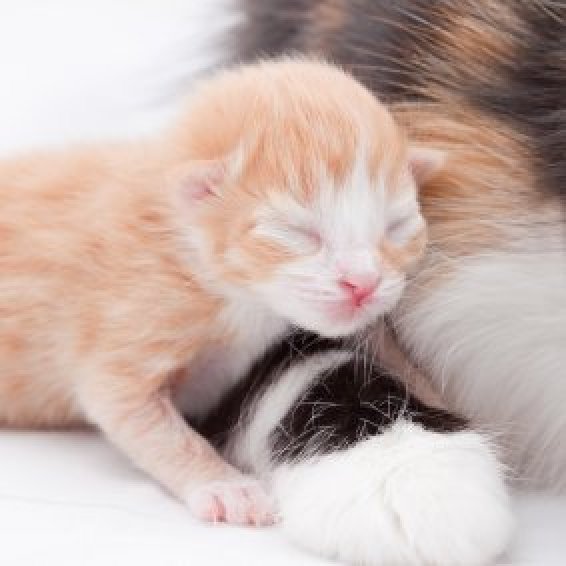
(285, 195)
(365, 464)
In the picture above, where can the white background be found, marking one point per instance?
(73, 70)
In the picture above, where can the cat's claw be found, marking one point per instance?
(239, 501)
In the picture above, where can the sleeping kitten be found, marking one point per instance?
(366, 467)
(484, 80)
(285, 195)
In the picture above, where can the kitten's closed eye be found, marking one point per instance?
(401, 228)
(299, 237)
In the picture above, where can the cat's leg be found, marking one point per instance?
(140, 419)
(363, 471)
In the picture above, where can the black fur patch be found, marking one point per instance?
(376, 41)
(341, 407)
(345, 406)
(276, 25)
(263, 373)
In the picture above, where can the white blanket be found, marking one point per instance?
(75, 70)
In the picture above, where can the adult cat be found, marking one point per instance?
(486, 318)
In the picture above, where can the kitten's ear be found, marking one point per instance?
(200, 179)
(424, 163)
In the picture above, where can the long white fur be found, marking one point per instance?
(493, 336)
(405, 497)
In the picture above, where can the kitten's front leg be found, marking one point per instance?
(139, 418)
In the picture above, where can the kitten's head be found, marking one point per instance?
(300, 190)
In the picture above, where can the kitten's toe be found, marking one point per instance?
(407, 496)
(239, 501)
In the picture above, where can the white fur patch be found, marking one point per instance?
(407, 496)
(493, 337)
(218, 369)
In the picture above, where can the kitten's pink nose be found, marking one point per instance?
(360, 288)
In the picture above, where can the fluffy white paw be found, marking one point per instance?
(240, 500)
(408, 496)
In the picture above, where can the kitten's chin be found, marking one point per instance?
(349, 320)
(332, 326)
(343, 329)
(336, 320)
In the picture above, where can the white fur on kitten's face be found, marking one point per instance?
(340, 240)
(331, 263)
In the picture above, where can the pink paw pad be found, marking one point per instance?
(238, 501)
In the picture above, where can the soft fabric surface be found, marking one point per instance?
(69, 499)
(76, 70)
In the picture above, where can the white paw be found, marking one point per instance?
(408, 496)
(240, 500)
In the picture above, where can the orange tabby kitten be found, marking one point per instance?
(285, 195)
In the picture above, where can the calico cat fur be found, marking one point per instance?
(485, 80)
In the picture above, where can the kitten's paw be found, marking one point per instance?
(240, 501)
(407, 496)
